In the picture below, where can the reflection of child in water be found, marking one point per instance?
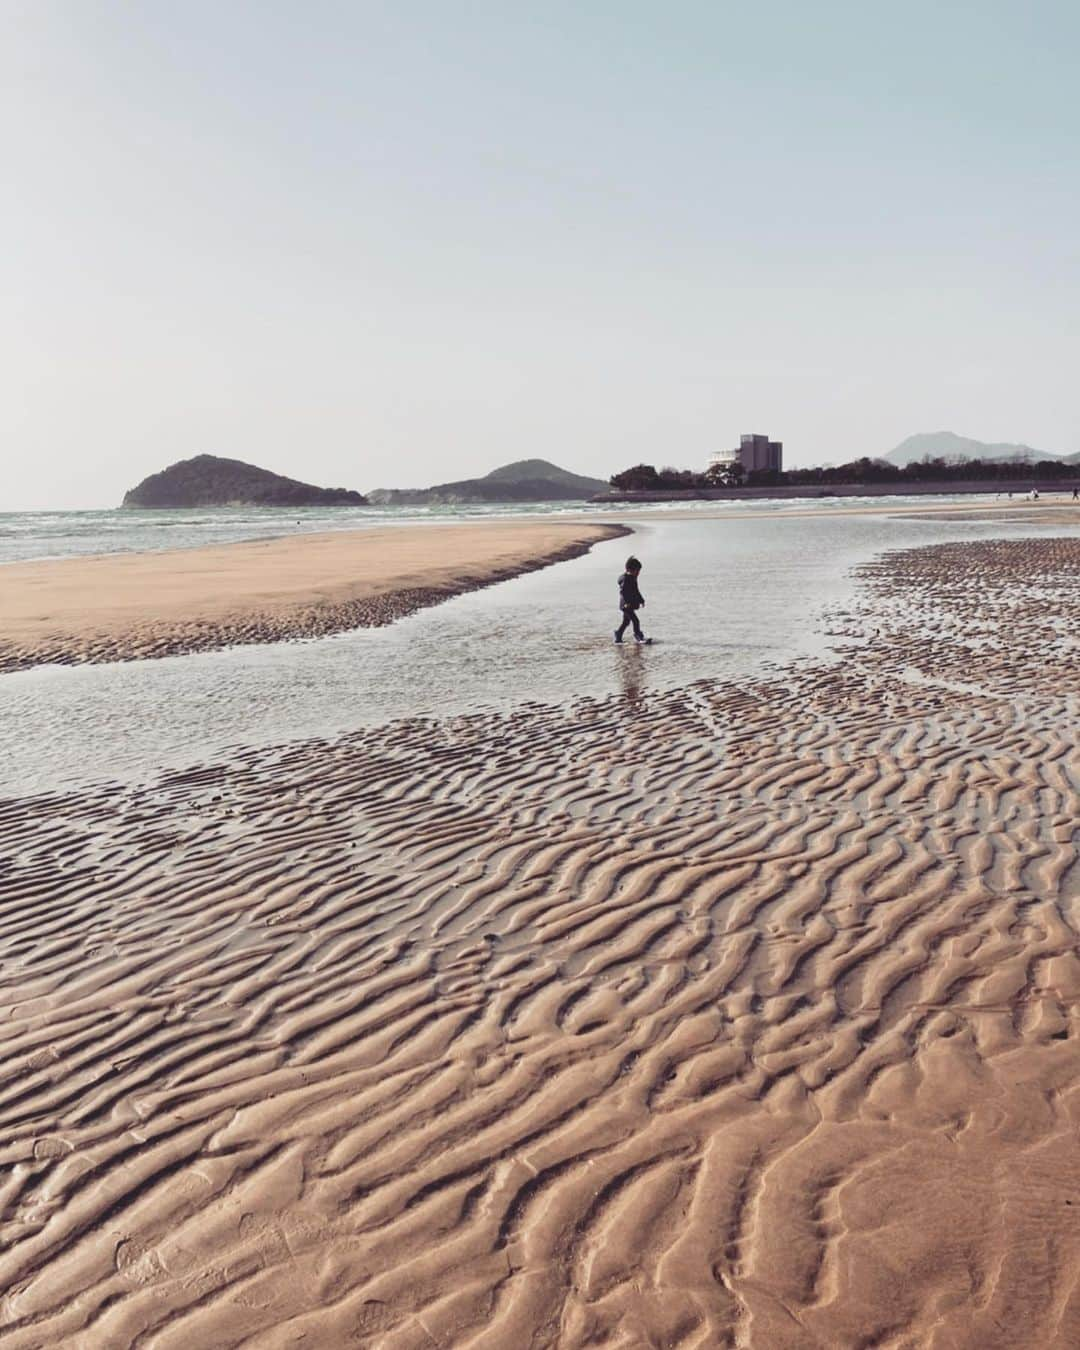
(630, 601)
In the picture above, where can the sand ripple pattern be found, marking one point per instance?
(727, 1017)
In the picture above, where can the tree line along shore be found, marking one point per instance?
(863, 477)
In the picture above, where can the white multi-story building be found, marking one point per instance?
(754, 453)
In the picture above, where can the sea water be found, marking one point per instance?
(734, 597)
(29, 535)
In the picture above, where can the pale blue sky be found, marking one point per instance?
(391, 244)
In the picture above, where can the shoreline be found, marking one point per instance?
(1063, 511)
(744, 1012)
(132, 606)
(1045, 511)
(820, 491)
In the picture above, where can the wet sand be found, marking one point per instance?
(728, 1016)
(119, 607)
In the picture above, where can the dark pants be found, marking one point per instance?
(629, 617)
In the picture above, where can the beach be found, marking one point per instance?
(116, 607)
(726, 1012)
(539, 698)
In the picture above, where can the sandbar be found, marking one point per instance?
(122, 606)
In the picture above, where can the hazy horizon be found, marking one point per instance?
(373, 246)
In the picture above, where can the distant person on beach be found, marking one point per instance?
(1076, 494)
(630, 601)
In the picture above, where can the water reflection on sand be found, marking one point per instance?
(726, 598)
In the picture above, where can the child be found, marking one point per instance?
(630, 600)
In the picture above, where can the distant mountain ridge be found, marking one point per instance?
(948, 445)
(525, 480)
(209, 480)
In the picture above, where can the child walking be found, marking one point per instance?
(630, 601)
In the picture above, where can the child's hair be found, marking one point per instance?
(632, 565)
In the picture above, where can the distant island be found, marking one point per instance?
(209, 480)
(526, 480)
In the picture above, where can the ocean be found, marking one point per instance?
(29, 535)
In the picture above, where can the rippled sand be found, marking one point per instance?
(727, 1016)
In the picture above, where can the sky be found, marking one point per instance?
(390, 244)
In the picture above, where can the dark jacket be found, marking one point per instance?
(629, 595)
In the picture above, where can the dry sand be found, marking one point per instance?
(732, 1016)
(1057, 511)
(120, 606)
